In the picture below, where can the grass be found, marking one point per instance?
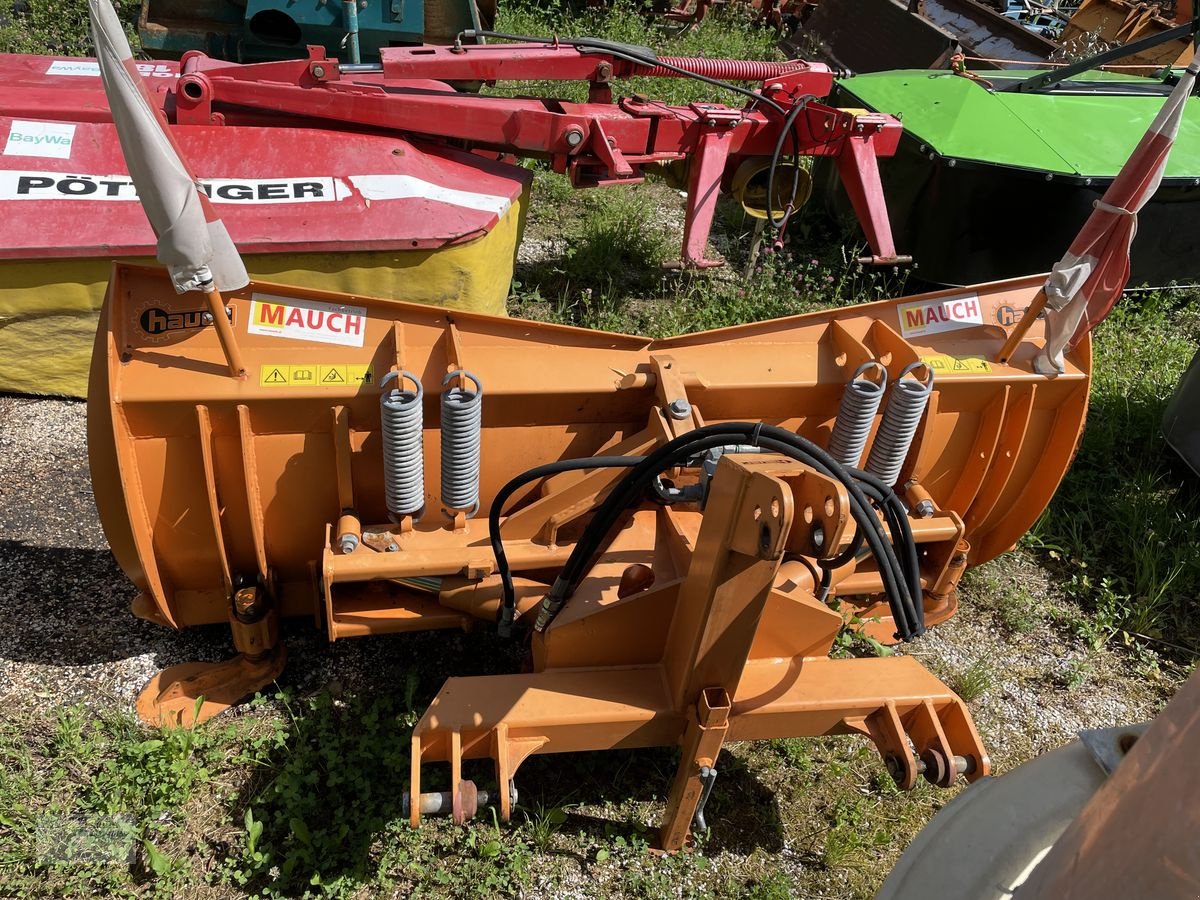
(1124, 528)
(974, 681)
(300, 796)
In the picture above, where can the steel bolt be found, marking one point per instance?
(207, 318)
(924, 509)
(391, 548)
(574, 137)
(318, 71)
(348, 543)
(679, 409)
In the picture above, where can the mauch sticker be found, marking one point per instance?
(942, 314)
(52, 139)
(307, 320)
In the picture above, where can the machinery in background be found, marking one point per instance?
(382, 178)
(260, 30)
(981, 149)
(1099, 25)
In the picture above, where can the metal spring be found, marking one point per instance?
(905, 406)
(856, 415)
(403, 449)
(462, 420)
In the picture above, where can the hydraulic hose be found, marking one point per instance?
(897, 518)
(630, 54)
(896, 585)
(788, 130)
(508, 592)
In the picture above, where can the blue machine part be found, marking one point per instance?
(260, 30)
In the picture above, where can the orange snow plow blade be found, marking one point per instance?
(682, 583)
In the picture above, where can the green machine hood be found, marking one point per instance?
(1081, 134)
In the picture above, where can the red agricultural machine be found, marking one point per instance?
(385, 178)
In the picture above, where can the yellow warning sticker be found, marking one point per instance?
(957, 365)
(314, 375)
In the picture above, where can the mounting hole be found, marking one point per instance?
(272, 26)
(808, 515)
(1126, 741)
(774, 507)
(757, 513)
(193, 90)
(764, 538)
(829, 507)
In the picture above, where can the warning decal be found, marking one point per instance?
(956, 365)
(307, 320)
(310, 375)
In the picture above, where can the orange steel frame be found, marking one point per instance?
(224, 497)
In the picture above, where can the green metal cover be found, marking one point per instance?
(1084, 135)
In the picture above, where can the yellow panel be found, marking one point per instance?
(48, 308)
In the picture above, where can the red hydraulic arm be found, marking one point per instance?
(599, 142)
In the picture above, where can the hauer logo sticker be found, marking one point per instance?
(944, 314)
(307, 320)
(52, 139)
(158, 323)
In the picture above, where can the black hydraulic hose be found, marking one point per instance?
(788, 130)
(902, 537)
(896, 586)
(623, 51)
(509, 593)
(846, 555)
(794, 446)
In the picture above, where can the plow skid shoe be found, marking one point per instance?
(170, 698)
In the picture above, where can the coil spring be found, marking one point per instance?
(403, 450)
(905, 406)
(856, 415)
(462, 419)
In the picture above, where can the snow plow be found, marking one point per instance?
(678, 529)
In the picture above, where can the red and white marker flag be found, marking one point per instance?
(1087, 282)
(192, 241)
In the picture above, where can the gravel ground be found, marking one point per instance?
(66, 633)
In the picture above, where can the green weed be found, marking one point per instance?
(1126, 520)
(57, 27)
(974, 681)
